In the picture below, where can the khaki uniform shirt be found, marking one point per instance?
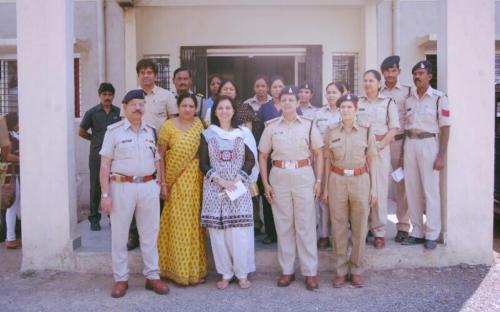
(348, 150)
(159, 104)
(289, 140)
(326, 118)
(132, 153)
(399, 94)
(309, 111)
(4, 133)
(256, 104)
(428, 113)
(381, 115)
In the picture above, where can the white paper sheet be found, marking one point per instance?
(239, 191)
(398, 175)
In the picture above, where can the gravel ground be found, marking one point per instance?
(464, 287)
(458, 288)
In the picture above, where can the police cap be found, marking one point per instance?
(423, 65)
(348, 97)
(290, 89)
(390, 62)
(133, 94)
(306, 85)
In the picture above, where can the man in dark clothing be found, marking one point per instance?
(97, 119)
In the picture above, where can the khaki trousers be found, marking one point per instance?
(422, 187)
(400, 190)
(348, 199)
(294, 217)
(378, 214)
(139, 200)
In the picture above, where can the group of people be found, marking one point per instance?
(319, 173)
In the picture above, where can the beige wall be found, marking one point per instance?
(164, 30)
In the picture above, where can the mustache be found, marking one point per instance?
(416, 80)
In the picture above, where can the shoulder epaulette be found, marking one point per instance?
(115, 125)
(270, 121)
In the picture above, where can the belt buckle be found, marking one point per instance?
(136, 179)
(349, 172)
(290, 164)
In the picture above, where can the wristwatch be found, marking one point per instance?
(104, 195)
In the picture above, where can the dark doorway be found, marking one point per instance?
(243, 69)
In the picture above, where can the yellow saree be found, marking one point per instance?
(181, 239)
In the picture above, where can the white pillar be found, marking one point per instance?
(130, 49)
(371, 58)
(466, 56)
(46, 114)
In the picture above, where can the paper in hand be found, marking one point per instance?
(239, 191)
(398, 175)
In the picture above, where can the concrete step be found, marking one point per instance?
(94, 256)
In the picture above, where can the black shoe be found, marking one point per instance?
(257, 231)
(323, 243)
(95, 226)
(430, 244)
(410, 240)
(133, 243)
(268, 240)
(369, 236)
(401, 236)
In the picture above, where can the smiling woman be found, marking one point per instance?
(226, 159)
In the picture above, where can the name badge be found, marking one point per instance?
(335, 140)
(126, 141)
(362, 109)
(278, 132)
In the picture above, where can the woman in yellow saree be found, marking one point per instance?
(181, 239)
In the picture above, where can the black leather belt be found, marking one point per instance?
(420, 135)
(398, 137)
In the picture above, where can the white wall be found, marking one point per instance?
(164, 30)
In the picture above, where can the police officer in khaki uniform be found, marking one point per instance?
(183, 82)
(350, 189)
(399, 93)
(160, 105)
(305, 97)
(325, 118)
(427, 133)
(381, 115)
(291, 187)
(128, 164)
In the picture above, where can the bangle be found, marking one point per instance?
(318, 181)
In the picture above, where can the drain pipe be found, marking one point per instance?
(101, 41)
(396, 17)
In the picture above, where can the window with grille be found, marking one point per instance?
(163, 63)
(497, 68)
(345, 69)
(8, 86)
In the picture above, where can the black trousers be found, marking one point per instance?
(266, 206)
(95, 187)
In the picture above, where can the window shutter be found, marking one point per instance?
(195, 58)
(314, 72)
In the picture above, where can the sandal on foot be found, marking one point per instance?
(222, 284)
(244, 283)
